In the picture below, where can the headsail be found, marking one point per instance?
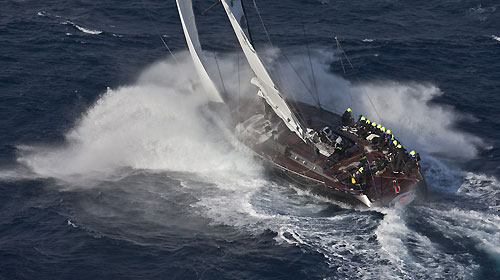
(191, 32)
(268, 89)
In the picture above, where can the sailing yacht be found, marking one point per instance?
(314, 148)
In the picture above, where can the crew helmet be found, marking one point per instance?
(374, 124)
(395, 142)
(399, 146)
(388, 131)
(379, 126)
(361, 169)
(348, 110)
(383, 128)
(412, 153)
(368, 121)
(363, 118)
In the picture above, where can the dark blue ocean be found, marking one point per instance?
(112, 167)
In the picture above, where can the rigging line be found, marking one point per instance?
(157, 32)
(246, 21)
(340, 51)
(239, 84)
(223, 86)
(300, 115)
(359, 81)
(265, 31)
(310, 64)
(262, 22)
(341, 62)
(298, 75)
(370, 99)
(220, 74)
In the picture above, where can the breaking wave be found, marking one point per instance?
(82, 29)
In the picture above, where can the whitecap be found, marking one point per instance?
(70, 223)
(495, 38)
(88, 31)
(368, 40)
(83, 29)
(42, 13)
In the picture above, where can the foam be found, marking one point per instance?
(481, 228)
(415, 254)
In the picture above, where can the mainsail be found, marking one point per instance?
(191, 32)
(268, 89)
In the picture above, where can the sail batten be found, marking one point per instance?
(191, 33)
(268, 89)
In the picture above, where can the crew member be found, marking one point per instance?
(362, 160)
(388, 135)
(415, 157)
(374, 130)
(347, 118)
(392, 148)
(387, 139)
(361, 120)
(381, 164)
(360, 175)
(363, 128)
(381, 139)
(399, 158)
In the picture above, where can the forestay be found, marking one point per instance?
(268, 89)
(191, 32)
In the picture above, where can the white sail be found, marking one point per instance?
(191, 32)
(268, 89)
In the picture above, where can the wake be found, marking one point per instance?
(161, 124)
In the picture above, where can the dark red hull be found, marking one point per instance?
(312, 170)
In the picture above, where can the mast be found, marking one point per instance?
(186, 14)
(267, 88)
